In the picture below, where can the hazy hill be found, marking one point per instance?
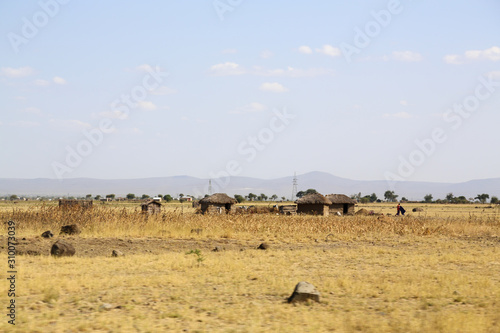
(323, 182)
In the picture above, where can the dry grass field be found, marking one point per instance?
(432, 271)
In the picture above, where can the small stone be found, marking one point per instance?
(117, 253)
(303, 292)
(106, 306)
(263, 246)
(47, 234)
(216, 249)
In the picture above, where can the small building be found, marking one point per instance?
(288, 209)
(218, 203)
(342, 204)
(314, 203)
(151, 207)
(75, 204)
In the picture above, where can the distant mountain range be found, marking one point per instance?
(323, 182)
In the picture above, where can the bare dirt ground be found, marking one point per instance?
(90, 247)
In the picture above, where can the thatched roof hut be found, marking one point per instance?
(314, 203)
(151, 207)
(341, 203)
(217, 203)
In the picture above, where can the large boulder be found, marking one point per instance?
(71, 229)
(303, 292)
(417, 209)
(62, 248)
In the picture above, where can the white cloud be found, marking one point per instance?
(272, 87)
(229, 51)
(59, 80)
(163, 90)
(145, 68)
(453, 59)
(41, 83)
(25, 124)
(493, 54)
(68, 125)
(407, 56)
(250, 108)
(292, 72)
(403, 103)
(400, 115)
(266, 54)
(113, 114)
(329, 50)
(32, 110)
(16, 72)
(146, 105)
(305, 49)
(227, 68)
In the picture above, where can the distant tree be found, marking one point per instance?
(13, 197)
(130, 196)
(181, 195)
(300, 194)
(311, 191)
(373, 197)
(144, 196)
(88, 196)
(97, 197)
(428, 198)
(283, 198)
(449, 197)
(494, 200)
(239, 198)
(263, 197)
(167, 197)
(404, 199)
(365, 199)
(110, 196)
(274, 197)
(252, 196)
(390, 196)
(482, 197)
(461, 199)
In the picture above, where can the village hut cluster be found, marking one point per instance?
(315, 204)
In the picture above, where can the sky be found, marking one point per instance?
(368, 90)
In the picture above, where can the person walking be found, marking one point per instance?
(398, 208)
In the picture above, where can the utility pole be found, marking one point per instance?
(294, 186)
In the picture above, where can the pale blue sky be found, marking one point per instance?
(231, 66)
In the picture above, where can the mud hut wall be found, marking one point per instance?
(319, 209)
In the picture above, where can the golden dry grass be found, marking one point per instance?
(422, 273)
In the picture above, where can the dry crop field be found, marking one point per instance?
(432, 271)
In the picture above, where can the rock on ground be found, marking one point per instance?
(303, 292)
(47, 234)
(62, 248)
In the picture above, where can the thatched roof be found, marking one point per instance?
(218, 198)
(149, 202)
(340, 199)
(314, 199)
